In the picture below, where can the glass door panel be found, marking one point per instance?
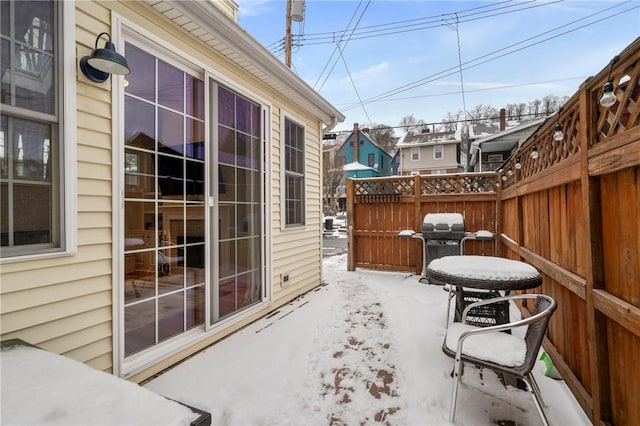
(237, 281)
(164, 234)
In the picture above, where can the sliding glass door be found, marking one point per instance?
(173, 263)
(239, 230)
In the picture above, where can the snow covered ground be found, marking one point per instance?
(363, 348)
(39, 387)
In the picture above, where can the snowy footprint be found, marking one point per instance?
(355, 366)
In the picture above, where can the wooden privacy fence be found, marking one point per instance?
(378, 209)
(573, 212)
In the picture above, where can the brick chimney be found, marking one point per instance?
(355, 142)
(503, 119)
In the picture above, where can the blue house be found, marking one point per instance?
(365, 158)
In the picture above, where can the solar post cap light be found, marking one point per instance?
(101, 62)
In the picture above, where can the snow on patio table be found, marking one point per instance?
(484, 268)
(363, 348)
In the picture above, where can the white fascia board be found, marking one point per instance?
(215, 22)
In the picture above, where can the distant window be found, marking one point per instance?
(415, 153)
(437, 152)
(294, 190)
(439, 171)
(494, 158)
(371, 160)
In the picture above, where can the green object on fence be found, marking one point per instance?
(551, 369)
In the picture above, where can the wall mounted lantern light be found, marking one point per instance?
(102, 62)
(608, 98)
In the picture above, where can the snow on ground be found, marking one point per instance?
(44, 388)
(363, 348)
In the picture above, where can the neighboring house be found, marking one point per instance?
(395, 163)
(445, 152)
(145, 217)
(429, 153)
(488, 153)
(365, 158)
(333, 178)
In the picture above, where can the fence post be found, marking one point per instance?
(417, 194)
(350, 219)
(497, 246)
(591, 227)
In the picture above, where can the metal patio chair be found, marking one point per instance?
(507, 353)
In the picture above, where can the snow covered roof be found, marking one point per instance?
(510, 129)
(354, 166)
(428, 138)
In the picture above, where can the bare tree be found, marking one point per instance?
(450, 121)
(412, 124)
(384, 136)
(548, 105)
(332, 179)
(534, 107)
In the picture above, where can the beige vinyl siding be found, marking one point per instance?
(427, 162)
(297, 252)
(64, 304)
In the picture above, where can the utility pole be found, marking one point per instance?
(295, 12)
(287, 37)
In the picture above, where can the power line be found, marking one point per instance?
(307, 41)
(464, 104)
(353, 84)
(502, 87)
(467, 120)
(337, 45)
(332, 35)
(470, 64)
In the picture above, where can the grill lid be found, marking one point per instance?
(443, 226)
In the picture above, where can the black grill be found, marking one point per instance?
(442, 233)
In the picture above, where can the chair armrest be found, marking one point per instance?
(502, 327)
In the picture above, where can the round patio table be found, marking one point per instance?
(488, 275)
(484, 272)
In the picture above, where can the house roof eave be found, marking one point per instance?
(208, 23)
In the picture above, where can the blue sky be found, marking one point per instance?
(401, 57)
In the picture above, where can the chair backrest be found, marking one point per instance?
(536, 330)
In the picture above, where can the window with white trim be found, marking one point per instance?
(437, 152)
(31, 139)
(294, 174)
(415, 153)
